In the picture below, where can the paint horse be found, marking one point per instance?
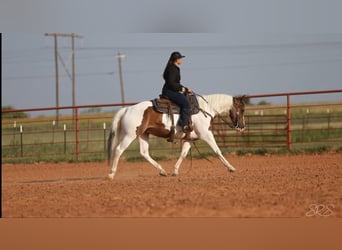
(141, 120)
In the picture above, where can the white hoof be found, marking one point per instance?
(231, 169)
(162, 173)
(111, 176)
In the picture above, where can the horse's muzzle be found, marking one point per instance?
(239, 128)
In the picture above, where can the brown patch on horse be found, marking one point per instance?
(237, 112)
(152, 124)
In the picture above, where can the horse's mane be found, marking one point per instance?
(217, 102)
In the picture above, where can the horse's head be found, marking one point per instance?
(236, 113)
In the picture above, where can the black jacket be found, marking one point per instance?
(172, 78)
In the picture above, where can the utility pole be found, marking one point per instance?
(73, 36)
(57, 78)
(73, 74)
(120, 57)
(57, 74)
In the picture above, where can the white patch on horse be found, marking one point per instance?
(166, 120)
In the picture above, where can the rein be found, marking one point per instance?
(201, 97)
(227, 123)
(202, 156)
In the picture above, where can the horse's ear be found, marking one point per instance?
(244, 98)
(241, 98)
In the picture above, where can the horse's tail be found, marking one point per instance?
(114, 135)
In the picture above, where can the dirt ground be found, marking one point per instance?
(262, 186)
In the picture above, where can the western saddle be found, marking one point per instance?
(164, 105)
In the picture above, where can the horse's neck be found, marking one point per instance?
(216, 104)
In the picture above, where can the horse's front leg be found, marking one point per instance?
(185, 150)
(210, 139)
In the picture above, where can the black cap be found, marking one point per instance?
(176, 55)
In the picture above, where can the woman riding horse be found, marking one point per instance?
(173, 90)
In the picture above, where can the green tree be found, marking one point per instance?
(263, 102)
(12, 114)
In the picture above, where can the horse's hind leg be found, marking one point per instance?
(185, 150)
(144, 151)
(126, 141)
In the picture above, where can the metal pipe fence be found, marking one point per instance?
(85, 137)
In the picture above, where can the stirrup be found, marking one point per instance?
(187, 128)
(187, 136)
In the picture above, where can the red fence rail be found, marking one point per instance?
(270, 126)
(288, 105)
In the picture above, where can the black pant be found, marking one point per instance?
(181, 100)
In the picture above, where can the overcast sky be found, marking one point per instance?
(233, 47)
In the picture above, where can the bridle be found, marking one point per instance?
(237, 120)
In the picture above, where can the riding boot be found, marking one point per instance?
(188, 128)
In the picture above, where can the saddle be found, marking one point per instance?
(164, 105)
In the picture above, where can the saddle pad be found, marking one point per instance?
(162, 105)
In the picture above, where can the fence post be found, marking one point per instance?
(104, 137)
(64, 128)
(53, 131)
(21, 141)
(88, 131)
(288, 140)
(76, 132)
(14, 128)
(328, 111)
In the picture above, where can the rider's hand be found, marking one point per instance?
(190, 91)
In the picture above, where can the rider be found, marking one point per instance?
(175, 91)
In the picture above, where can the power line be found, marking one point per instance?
(73, 36)
(195, 47)
(43, 60)
(250, 65)
(52, 76)
(220, 47)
